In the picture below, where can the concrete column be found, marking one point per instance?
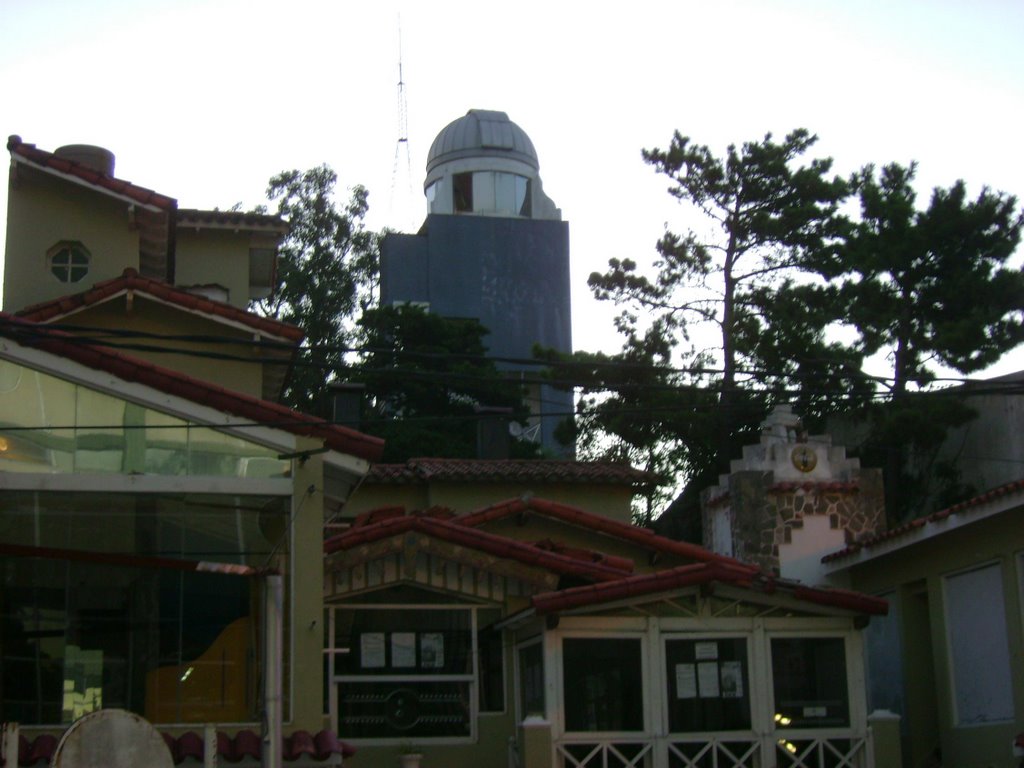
(885, 733)
(536, 743)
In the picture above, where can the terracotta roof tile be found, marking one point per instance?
(194, 217)
(644, 537)
(696, 574)
(624, 564)
(171, 382)
(48, 161)
(130, 280)
(918, 523)
(499, 546)
(508, 470)
(246, 743)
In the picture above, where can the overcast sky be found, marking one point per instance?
(205, 100)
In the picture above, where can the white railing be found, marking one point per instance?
(605, 753)
(715, 752)
(784, 750)
(823, 752)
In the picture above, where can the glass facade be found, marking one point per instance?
(49, 425)
(80, 632)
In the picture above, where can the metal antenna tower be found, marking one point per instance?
(404, 214)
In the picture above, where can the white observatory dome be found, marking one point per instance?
(484, 164)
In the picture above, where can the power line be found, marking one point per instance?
(105, 337)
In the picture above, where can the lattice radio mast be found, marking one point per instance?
(404, 213)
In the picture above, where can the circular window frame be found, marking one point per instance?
(68, 262)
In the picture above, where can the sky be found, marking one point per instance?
(205, 100)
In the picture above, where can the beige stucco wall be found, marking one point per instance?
(41, 212)
(610, 501)
(148, 316)
(211, 256)
(916, 574)
(305, 633)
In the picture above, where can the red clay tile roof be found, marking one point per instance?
(260, 222)
(919, 523)
(507, 470)
(499, 546)
(245, 743)
(51, 163)
(644, 537)
(130, 280)
(174, 383)
(613, 575)
(697, 574)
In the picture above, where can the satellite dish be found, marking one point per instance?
(111, 738)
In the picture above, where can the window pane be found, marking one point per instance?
(83, 430)
(406, 709)
(462, 192)
(531, 680)
(491, 655)
(505, 194)
(602, 684)
(171, 646)
(708, 685)
(978, 647)
(409, 642)
(523, 199)
(483, 192)
(809, 676)
(883, 651)
(431, 194)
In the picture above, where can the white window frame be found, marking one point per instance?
(754, 693)
(855, 683)
(471, 679)
(645, 677)
(519, 647)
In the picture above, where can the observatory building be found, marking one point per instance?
(494, 248)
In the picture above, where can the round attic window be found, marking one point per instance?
(69, 262)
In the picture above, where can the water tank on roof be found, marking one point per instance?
(484, 164)
(97, 158)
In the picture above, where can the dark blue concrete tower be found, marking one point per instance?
(494, 248)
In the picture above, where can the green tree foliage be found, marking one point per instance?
(762, 216)
(426, 378)
(634, 408)
(327, 269)
(926, 287)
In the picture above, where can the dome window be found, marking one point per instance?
(491, 193)
(68, 262)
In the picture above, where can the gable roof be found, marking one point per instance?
(174, 383)
(644, 537)
(234, 220)
(131, 280)
(698, 574)
(991, 502)
(439, 526)
(612, 578)
(54, 165)
(422, 470)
